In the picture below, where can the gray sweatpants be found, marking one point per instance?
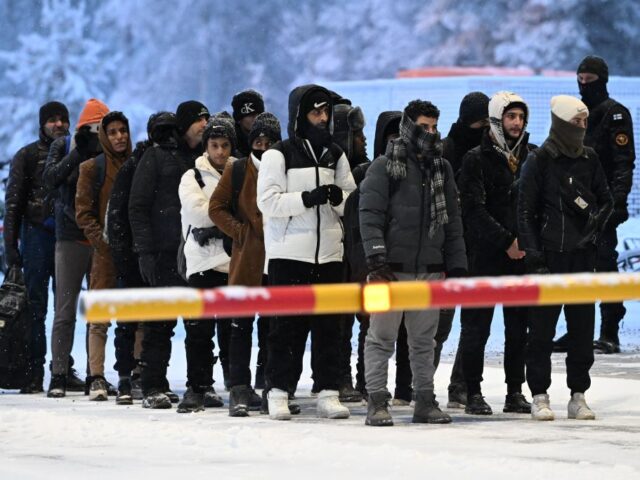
(73, 263)
(381, 338)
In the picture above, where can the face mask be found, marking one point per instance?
(318, 136)
(593, 93)
(471, 136)
(569, 138)
(257, 153)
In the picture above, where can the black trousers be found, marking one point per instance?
(580, 325)
(199, 342)
(457, 381)
(240, 343)
(288, 334)
(156, 343)
(607, 261)
(125, 332)
(476, 327)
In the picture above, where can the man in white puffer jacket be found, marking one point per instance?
(302, 185)
(207, 262)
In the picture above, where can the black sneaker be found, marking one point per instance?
(516, 403)
(378, 410)
(348, 394)
(98, 389)
(212, 399)
(239, 399)
(191, 402)
(136, 387)
(606, 346)
(57, 386)
(74, 382)
(156, 399)
(457, 398)
(124, 392)
(34, 386)
(172, 396)
(427, 409)
(477, 406)
(255, 401)
(111, 390)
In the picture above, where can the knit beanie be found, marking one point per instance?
(220, 125)
(92, 112)
(567, 107)
(245, 103)
(316, 98)
(266, 125)
(474, 107)
(594, 64)
(51, 109)
(188, 113)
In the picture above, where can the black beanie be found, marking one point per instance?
(267, 125)
(188, 113)
(51, 109)
(474, 107)
(594, 64)
(245, 103)
(220, 125)
(314, 99)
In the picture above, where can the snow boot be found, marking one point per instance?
(477, 406)
(192, 401)
(57, 386)
(378, 410)
(239, 399)
(278, 401)
(348, 393)
(329, 405)
(98, 390)
(540, 408)
(136, 387)
(516, 403)
(609, 342)
(74, 382)
(157, 400)
(427, 409)
(211, 398)
(124, 396)
(578, 409)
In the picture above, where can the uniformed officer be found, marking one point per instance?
(610, 134)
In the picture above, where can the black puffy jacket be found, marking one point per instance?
(27, 197)
(154, 204)
(458, 142)
(61, 174)
(563, 203)
(489, 196)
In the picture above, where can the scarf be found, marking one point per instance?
(567, 137)
(501, 145)
(429, 147)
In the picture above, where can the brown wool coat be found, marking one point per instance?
(90, 214)
(247, 259)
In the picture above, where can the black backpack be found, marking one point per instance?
(15, 331)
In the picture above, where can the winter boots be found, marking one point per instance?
(192, 401)
(427, 409)
(57, 386)
(329, 405)
(278, 404)
(516, 403)
(540, 409)
(348, 393)
(378, 410)
(124, 396)
(609, 342)
(211, 398)
(239, 399)
(578, 408)
(477, 406)
(457, 398)
(157, 400)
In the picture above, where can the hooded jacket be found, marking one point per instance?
(27, 197)
(289, 168)
(385, 120)
(195, 214)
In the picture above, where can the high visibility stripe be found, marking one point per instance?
(606, 287)
(485, 292)
(338, 298)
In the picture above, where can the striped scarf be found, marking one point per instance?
(429, 147)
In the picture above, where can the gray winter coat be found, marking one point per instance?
(395, 217)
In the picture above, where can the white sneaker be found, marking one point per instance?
(278, 405)
(578, 408)
(329, 405)
(540, 409)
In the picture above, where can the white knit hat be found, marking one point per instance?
(566, 107)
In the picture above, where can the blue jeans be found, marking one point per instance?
(37, 246)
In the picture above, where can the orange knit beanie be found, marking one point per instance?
(92, 112)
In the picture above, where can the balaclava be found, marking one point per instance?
(474, 107)
(594, 93)
(567, 137)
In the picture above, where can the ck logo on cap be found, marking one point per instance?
(247, 109)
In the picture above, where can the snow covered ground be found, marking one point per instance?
(74, 438)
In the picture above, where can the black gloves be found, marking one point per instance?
(14, 259)
(379, 270)
(320, 195)
(87, 143)
(147, 264)
(457, 273)
(619, 215)
(535, 263)
(317, 196)
(204, 235)
(335, 194)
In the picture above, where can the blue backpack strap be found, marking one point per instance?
(67, 144)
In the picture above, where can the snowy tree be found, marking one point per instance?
(62, 61)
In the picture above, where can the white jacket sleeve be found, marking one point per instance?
(272, 196)
(195, 204)
(344, 180)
